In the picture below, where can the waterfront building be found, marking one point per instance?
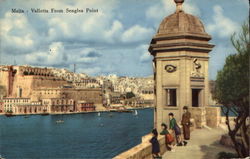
(59, 105)
(116, 97)
(10, 103)
(34, 107)
(180, 49)
(147, 93)
(87, 83)
(83, 106)
(138, 102)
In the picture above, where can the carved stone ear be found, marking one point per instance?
(170, 68)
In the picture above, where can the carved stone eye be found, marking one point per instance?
(170, 68)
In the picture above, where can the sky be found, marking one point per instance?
(113, 40)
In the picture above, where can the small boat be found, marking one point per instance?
(135, 112)
(43, 114)
(26, 116)
(8, 114)
(110, 114)
(99, 114)
(125, 111)
(59, 121)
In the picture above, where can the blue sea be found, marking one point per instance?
(81, 136)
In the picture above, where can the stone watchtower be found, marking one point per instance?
(180, 49)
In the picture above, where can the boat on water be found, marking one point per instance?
(99, 114)
(112, 110)
(59, 121)
(110, 115)
(124, 111)
(26, 116)
(43, 114)
(135, 112)
(8, 114)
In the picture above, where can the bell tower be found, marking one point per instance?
(180, 49)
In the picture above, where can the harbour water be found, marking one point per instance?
(84, 136)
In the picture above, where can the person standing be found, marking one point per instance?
(155, 145)
(174, 127)
(185, 122)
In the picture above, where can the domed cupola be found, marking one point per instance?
(181, 26)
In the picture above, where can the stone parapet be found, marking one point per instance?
(213, 116)
(143, 150)
(199, 116)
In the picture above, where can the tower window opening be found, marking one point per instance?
(171, 97)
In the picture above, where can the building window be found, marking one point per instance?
(171, 97)
(196, 97)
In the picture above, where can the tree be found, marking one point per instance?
(232, 90)
(130, 95)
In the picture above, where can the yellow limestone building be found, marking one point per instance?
(180, 49)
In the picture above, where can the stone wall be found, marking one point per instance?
(29, 83)
(199, 116)
(93, 95)
(143, 150)
(213, 116)
(209, 116)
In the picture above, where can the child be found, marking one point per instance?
(155, 145)
(168, 137)
(174, 126)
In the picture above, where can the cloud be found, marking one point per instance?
(218, 56)
(93, 54)
(90, 71)
(245, 2)
(86, 56)
(54, 56)
(145, 56)
(114, 33)
(136, 34)
(221, 25)
(17, 36)
(58, 56)
(166, 7)
(114, 40)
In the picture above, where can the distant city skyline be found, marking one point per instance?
(113, 40)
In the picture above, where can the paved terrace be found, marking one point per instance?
(204, 144)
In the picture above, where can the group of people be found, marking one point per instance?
(173, 131)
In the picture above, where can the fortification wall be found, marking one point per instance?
(4, 80)
(26, 79)
(30, 82)
(89, 95)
